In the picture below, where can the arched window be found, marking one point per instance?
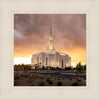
(37, 60)
(46, 60)
(62, 63)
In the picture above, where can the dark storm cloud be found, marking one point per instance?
(31, 30)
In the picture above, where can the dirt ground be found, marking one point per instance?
(36, 79)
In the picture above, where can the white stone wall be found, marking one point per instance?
(53, 59)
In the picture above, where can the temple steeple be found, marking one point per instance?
(50, 35)
(50, 46)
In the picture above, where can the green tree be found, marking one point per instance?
(79, 69)
(68, 68)
(43, 67)
(84, 67)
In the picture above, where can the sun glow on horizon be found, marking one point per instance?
(27, 60)
(22, 60)
(31, 38)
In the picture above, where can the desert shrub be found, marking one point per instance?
(41, 83)
(58, 78)
(68, 68)
(49, 81)
(41, 77)
(43, 67)
(57, 68)
(75, 84)
(37, 75)
(59, 83)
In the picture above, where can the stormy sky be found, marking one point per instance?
(31, 32)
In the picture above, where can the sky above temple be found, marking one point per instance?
(31, 35)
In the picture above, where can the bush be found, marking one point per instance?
(43, 67)
(50, 82)
(41, 83)
(41, 77)
(59, 83)
(37, 75)
(58, 78)
(57, 68)
(75, 84)
(47, 79)
(68, 68)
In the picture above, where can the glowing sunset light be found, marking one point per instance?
(31, 35)
(27, 60)
(22, 60)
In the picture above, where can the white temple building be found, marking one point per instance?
(51, 57)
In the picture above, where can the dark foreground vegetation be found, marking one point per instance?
(26, 75)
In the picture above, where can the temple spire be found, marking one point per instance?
(50, 36)
(50, 46)
(51, 30)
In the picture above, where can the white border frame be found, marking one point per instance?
(8, 91)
